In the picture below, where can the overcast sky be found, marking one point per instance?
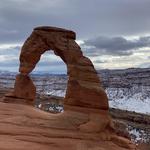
(113, 33)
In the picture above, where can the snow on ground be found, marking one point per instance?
(132, 99)
(138, 135)
(131, 104)
(60, 93)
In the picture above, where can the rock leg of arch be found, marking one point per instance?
(24, 87)
(24, 91)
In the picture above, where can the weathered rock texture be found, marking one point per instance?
(24, 87)
(85, 123)
(23, 127)
(24, 91)
(83, 85)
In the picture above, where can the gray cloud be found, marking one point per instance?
(99, 61)
(144, 65)
(115, 45)
(117, 18)
(88, 18)
(52, 67)
(13, 50)
(52, 63)
(9, 60)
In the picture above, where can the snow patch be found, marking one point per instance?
(129, 99)
(138, 135)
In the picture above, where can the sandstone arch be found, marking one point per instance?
(83, 87)
(89, 125)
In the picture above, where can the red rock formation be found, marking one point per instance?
(24, 88)
(85, 123)
(24, 127)
(83, 85)
(24, 91)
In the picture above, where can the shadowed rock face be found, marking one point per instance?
(83, 87)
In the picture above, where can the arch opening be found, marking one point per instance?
(50, 79)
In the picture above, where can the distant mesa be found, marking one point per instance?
(85, 120)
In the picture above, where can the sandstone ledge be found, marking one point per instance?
(25, 127)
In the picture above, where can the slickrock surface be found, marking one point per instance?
(85, 123)
(24, 127)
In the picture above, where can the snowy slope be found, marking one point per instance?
(130, 99)
(127, 89)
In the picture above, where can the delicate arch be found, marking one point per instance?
(83, 88)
